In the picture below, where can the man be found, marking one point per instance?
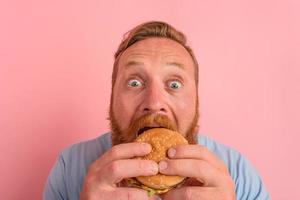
(154, 83)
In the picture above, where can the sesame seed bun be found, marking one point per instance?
(161, 140)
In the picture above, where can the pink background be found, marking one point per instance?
(55, 65)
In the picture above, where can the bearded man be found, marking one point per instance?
(154, 84)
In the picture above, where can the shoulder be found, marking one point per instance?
(228, 154)
(87, 151)
(67, 175)
(248, 182)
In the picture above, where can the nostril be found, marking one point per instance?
(148, 110)
(163, 110)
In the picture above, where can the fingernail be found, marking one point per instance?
(162, 165)
(153, 167)
(147, 147)
(171, 152)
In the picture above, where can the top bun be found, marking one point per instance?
(161, 140)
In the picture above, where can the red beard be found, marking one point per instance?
(124, 136)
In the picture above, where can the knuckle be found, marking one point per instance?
(129, 196)
(141, 164)
(89, 179)
(187, 193)
(142, 148)
(203, 149)
(114, 152)
(114, 168)
(173, 165)
(180, 150)
(144, 165)
(93, 167)
(199, 164)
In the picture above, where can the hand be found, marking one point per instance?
(106, 172)
(209, 176)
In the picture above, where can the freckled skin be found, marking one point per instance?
(151, 85)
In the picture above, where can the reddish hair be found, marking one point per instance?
(144, 31)
(149, 30)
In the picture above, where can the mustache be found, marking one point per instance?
(151, 120)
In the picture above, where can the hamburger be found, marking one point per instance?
(161, 139)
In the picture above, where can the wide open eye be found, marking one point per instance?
(175, 85)
(134, 83)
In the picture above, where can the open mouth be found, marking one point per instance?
(146, 128)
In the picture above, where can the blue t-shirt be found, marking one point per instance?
(67, 176)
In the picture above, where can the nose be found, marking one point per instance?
(154, 100)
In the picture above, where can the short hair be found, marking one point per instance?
(147, 30)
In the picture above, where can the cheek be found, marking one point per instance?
(186, 107)
(124, 109)
(121, 109)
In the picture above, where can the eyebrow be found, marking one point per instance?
(176, 64)
(133, 63)
(136, 63)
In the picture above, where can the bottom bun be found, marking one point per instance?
(150, 191)
(160, 181)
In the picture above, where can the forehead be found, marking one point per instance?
(157, 50)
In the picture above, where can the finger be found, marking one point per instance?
(122, 151)
(197, 152)
(117, 170)
(192, 193)
(192, 182)
(125, 184)
(199, 169)
(129, 193)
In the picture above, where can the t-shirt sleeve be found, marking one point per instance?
(55, 188)
(249, 185)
